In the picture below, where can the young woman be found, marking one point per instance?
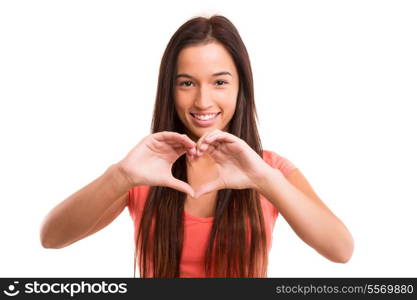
(202, 193)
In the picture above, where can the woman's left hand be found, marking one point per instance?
(238, 165)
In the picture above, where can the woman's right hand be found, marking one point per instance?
(150, 161)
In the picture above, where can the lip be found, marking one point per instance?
(204, 123)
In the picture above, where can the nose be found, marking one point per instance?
(203, 100)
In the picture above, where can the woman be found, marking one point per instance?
(210, 212)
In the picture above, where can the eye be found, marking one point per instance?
(221, 82)
(186, 83)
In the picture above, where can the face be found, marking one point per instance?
(206, 88)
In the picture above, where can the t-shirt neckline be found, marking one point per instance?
(198, 219)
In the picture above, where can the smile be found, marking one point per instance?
(204, 120)
(205, 117)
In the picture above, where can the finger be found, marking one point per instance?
(181, 143)
(212, 147)
(203, 147)
(199, 142)
(181, 148)
(170, 136)
(210, 140)
(209, 148)
(202, 141)
(180, 186)
(192, 151)
(216, 139)
(221, 137)
(209, 187)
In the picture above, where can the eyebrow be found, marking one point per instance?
(215, 74)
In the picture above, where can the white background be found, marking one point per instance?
(335, 85)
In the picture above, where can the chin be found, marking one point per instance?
(196, 134)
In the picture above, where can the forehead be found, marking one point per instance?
(205, 59)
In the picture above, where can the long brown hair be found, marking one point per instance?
(233, 250)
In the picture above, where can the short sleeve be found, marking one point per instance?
(279, 162)
(136, 201)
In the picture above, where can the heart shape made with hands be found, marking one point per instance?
(231, 156)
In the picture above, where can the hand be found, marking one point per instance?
(238, 165)
(150, 161)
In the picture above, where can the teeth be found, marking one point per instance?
(204, 117)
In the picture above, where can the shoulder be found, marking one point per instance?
(278, 161)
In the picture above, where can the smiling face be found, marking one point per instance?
(206, 88)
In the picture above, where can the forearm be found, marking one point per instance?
(314, 224)
(77, 214)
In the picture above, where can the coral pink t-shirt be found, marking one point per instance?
(197, 230)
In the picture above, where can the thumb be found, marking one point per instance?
(180, 186)
(208, 187)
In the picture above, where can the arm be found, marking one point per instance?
(97, 204)
(86, 211)
(240, 167)
(307, 215)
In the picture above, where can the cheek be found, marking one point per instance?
(183, 100)
(181, 107)
(180, 103)
(230, 113)
(229, 102)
